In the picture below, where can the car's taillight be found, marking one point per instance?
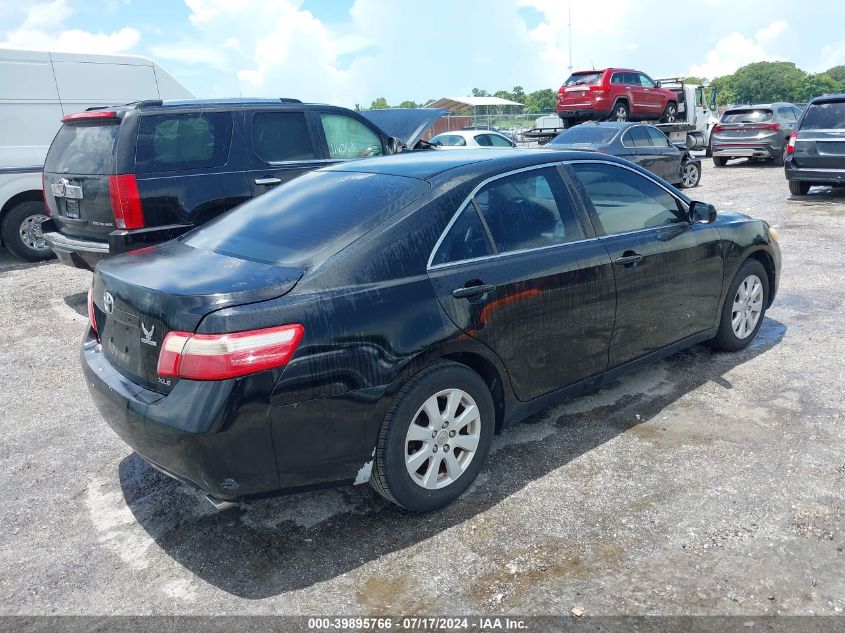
(220, 356)
(44, 193)
(126, 202)
(790, 146)
(718, 128)
(92, 317)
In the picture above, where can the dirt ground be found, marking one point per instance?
(708, 483)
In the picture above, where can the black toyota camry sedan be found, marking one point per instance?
(381, 320)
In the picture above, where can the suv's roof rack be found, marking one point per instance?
(289, 100)
(148, 103)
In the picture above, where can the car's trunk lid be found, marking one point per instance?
(76, 178)
(746, 125)
(141, 296)
(820, 142)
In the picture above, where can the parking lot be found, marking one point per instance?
(709, 483)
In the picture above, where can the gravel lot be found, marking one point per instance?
(709, 483)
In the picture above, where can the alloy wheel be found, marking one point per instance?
(689, 175)
(621, 113)
(747, 306)
(30, 232)
(442, 439)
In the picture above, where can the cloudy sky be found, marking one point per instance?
(352, 51)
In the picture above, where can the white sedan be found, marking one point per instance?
(464, 139)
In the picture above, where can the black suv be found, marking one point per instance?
(815, 154)
(120, 178)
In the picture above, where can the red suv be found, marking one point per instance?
(615, 93)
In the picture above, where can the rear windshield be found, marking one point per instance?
(82, 148)
(583, 79)
(747, 116)
(305, 216)
(176, 142)
(825, 116)
(585, 135)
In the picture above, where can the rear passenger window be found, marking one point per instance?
(484, 140)
(787, 114)
(176, 142)
(349, 138)
(658, 138)
(636, 137)
(623, 200)
(528, 210)
(466, 239)
(278, 137)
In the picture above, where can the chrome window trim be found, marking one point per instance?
(430, 266)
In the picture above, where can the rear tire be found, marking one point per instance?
(779, 159)
(799, 188)
(719, 161)
(21, 231)
(744, 309)
(620, 112)
(709, 151)
(428, 466)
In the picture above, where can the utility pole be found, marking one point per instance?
(570, 37)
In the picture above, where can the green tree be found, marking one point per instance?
(409, 104)
(837, 73)
(695, 80)
(815, 85)
(540, 101)
(503, 94)
(379, 104)
(761, 82)
(478, 92)
(518, 94)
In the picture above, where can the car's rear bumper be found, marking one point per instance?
(818, 176)
(744, 150)
(76, 252)
(228, 439)
(581, 113)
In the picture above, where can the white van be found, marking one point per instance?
(36, 90)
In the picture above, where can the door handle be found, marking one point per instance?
(270, 180)
(467, 292)
(628, 258)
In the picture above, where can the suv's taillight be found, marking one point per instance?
(126, 202)
(220, 356)
(790, 146)
(92, 317)
(717, 128)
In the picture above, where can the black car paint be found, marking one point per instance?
(175, 201)
(819, 154)
(664, 162)
(372, 320)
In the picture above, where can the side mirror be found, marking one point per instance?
(701, 212)
(658, 84)
(393, 145)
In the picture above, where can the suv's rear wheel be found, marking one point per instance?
(780, 159)
(21, 231)
(670, 113)
(798, 188)
(620, 111)
(435, 438)
(719, 161)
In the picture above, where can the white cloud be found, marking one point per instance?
(737, 50)
(831, 55)
(41, 29)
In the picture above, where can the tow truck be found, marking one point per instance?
(696, 117)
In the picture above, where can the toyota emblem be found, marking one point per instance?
(108, 303)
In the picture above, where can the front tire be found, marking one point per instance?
(798, 188)
(744, 309)
(435, 438)
(21, 231)
(690, 175)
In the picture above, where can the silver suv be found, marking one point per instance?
(758, 131)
